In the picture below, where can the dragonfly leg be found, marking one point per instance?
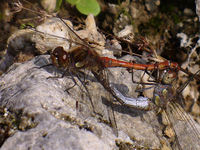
(75, 83)
(187, 82)
(87, 91)
(142, 83)
(57, 77)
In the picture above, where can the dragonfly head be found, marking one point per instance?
(60, 58)
(163, 94)
(169, 76)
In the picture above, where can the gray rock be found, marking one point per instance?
(66, 120)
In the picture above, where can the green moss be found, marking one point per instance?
(155, 22)
(176, 19)
(172, 11)
(128, 146)
(13, 120)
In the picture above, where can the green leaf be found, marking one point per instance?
(58, 4)
(88, 7)
(73, 2)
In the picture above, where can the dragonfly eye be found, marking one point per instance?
(55, 58)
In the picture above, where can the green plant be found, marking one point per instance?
(26, 25)
(83, 6)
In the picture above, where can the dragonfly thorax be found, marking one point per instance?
(163, 95)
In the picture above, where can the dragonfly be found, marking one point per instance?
(168, 100)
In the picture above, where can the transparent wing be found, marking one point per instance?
(186, 129)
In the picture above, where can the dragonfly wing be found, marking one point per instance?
(186, 129)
